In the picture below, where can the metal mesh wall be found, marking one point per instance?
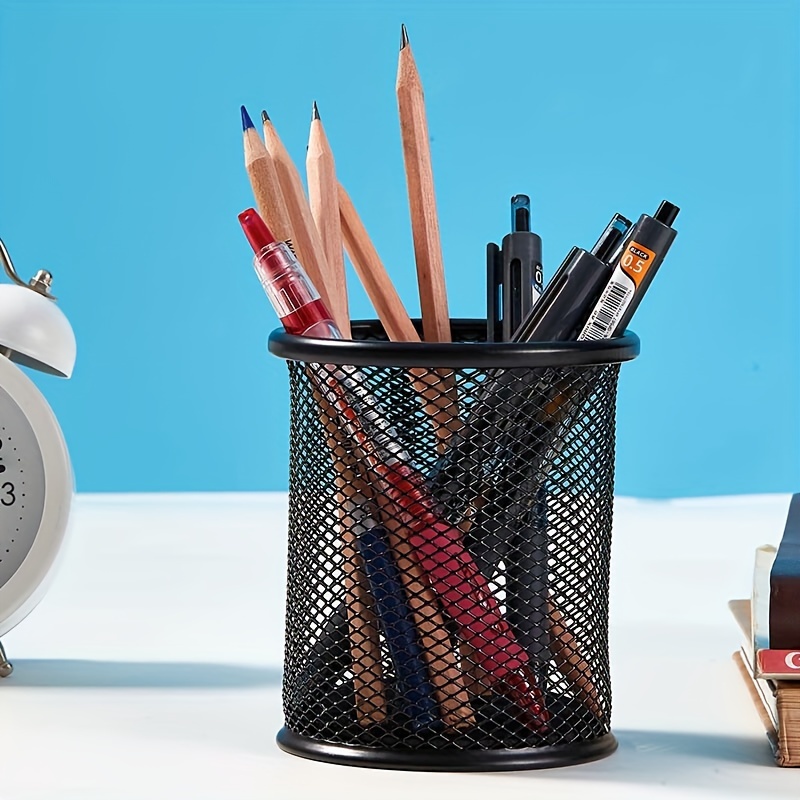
(449, 556)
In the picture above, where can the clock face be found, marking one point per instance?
(22, 487)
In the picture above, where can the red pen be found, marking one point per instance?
(297, 302)
(450, 569)
(293, 296)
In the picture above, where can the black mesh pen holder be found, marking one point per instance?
(450, 515)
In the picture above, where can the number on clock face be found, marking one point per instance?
(21, 487)
(7, 487)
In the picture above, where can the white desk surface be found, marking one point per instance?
(152, 668)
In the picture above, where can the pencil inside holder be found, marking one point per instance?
(448, 595)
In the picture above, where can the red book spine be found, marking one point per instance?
(779, 662)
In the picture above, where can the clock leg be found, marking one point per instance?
(6, 668)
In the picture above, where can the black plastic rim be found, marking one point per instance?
(564, 755)
(459, 355)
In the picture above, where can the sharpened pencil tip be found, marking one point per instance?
(264, 117)
(315, 111)
(403, 37)
(246, 121)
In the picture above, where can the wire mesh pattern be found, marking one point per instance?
(449, 547)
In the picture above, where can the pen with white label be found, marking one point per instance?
(575, 288)
(642, 252)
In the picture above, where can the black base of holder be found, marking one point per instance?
(546, 757)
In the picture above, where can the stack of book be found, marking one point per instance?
(769, 659)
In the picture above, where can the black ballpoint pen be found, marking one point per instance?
(514, 274)
(574, 289)
(635, 264)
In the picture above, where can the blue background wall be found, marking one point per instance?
(121, 165)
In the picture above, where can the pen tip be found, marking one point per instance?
(264, 117)
(315, 111)
(403, 37)
(246, 121)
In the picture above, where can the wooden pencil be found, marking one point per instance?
(324, 202)
(373, 275)
(352, 496)
(436, 388)
(421, 197)
(436, 646)
(307, 242)
(569, 661)
(365, 647)
(264, 182)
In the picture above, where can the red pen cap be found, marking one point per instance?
(256, 230)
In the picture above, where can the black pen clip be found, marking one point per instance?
(494, 285)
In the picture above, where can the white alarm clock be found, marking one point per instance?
(36, 484)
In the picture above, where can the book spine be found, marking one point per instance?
(784, 598)
(785, 663)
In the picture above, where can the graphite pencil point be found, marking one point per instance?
(246, 121)
(403, 37)
(315, 111)
(264, 116)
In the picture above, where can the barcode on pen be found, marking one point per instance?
(608, 311)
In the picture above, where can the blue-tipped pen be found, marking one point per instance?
(246, 121)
